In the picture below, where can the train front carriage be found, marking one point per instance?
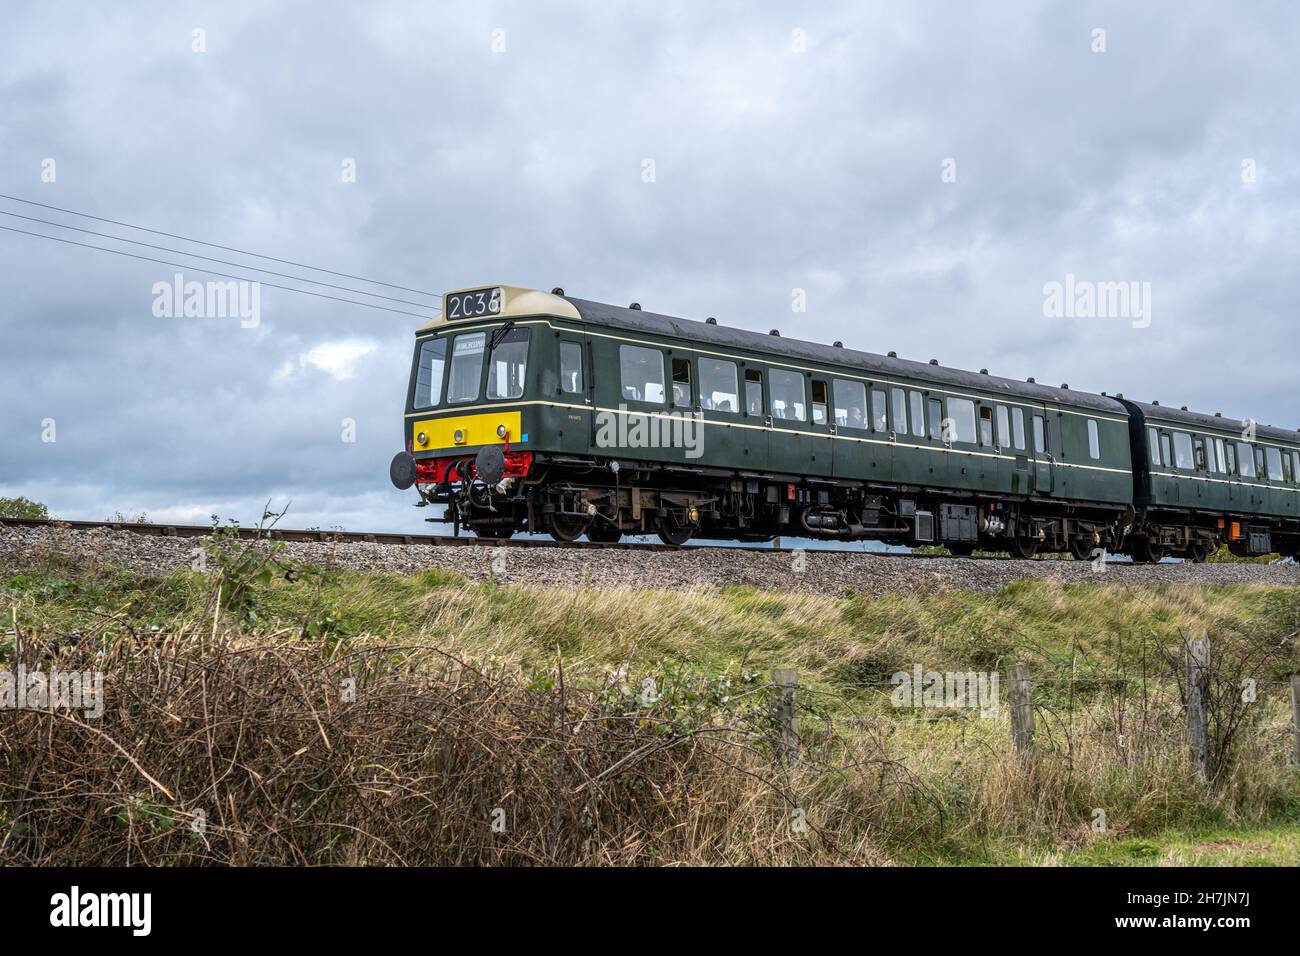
(538, 412)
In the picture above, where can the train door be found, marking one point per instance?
(790, 439)
(754, 421)
(821, 441)
(1043, 460)
(721, 410)
(569, 386)
(854, 452)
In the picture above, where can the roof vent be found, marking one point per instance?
(984, 371)
(1155, 401)
(1184, 408)
(1218, 414)
(893, 355)
(557, 291)
(1031, 380)
(710, 321)
(934, 361)
(776, 332)
(1065, 386)
(837, 344)
(635, 305)
(1119, 395)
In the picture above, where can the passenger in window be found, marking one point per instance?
(679, 395)
(857, 418)
(724, 406)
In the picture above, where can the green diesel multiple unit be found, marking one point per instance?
(529, 411)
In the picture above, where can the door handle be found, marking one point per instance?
(767, 420)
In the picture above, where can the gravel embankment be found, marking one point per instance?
(830, 573)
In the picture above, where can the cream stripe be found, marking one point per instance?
(763, 428)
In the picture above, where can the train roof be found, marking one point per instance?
(1202, 421)
(722, 336)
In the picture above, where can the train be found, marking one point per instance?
(536, 412)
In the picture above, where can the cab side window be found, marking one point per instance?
(1094, 440)
(571, 368)
(1153, 440)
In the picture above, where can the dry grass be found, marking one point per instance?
(369, 719)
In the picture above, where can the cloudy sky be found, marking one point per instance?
(921, 169)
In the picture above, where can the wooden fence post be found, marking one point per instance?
(1198, 706)
(785, 711)
(1295, 717)
(1022, 714)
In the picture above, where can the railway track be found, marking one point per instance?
(443, 540)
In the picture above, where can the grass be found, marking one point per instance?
(878, 784)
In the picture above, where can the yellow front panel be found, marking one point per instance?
(474, 429)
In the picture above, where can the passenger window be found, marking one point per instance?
(1259, 463)
(571, 368)
(428, 379)
(850, 403)
(466, 367)
(1153, 441)
(879, 418)
(1040, 435)
(936, 419)
(1199, 455)
(1018, 427)
(718, 386)
(962, 413)
(819, 402)
(509, 365)
(1166, 451)
(1246, 459)
(1274, 463)
(986, 426)
(898, 400)
(918, 413)
(754, 392)
(1286, 466)
(1004, 427)
(642, 373)
(681, 383)
(1231, 460)
(1223, 460)
(1094, 441)
(1183, 451)
(1295, 465)
(785, 395)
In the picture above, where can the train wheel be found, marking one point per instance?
(672, 532)
(1022, 548)
(1081, 549)
(603, 534)
(1198, 552)
(1146, 551)
(565, 527)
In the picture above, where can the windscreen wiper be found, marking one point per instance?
(498, 335)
